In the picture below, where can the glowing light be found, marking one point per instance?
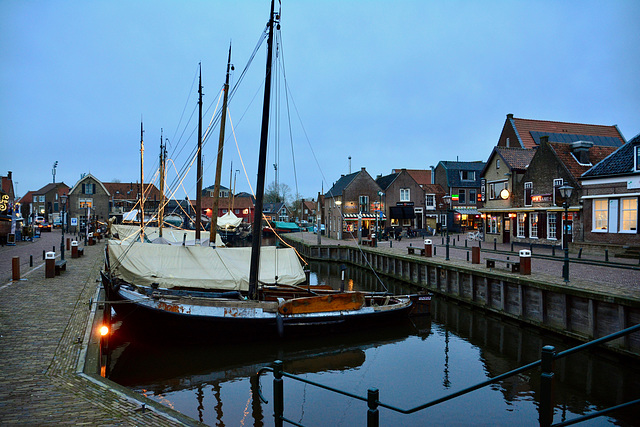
(104, 330)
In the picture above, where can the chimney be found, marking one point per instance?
(362, 169)
(9, 174)
(433, 176)
(544, 140)
(510, 116)
(580, 150)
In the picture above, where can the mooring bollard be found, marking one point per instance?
(15, 268)
(580, 253)
(465, 243)
(68, 243)
(30, 260)
(278, 394)
(495, 244)
(511, 246)
(553, 250)
(43, 252)
(606, 255)
(475, 255)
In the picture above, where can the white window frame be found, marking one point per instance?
(533, 225)
(363, 202)
(558, 182)
(521, 221)
(497, 163)
(600, 224)
(492, 191)
(428, 198)
(471, 175)
(631, 210)
(552, 225)
(405, 194)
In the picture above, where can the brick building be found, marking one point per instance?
(403, 199)
(461, 182)
(611, 189)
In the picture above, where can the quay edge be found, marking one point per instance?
(575, 312)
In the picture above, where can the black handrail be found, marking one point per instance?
(373, 402)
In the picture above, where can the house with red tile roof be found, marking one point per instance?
(537, 203)
(526, 133)
(611, 197)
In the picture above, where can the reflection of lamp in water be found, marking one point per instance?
(445, 382)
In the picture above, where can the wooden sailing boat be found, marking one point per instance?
(170, 289)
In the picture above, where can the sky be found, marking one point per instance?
(402, 84)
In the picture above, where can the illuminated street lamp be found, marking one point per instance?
(63, 202)
(565, 193)
(447, 200)
(339, 222)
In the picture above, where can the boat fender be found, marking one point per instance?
(280, 325)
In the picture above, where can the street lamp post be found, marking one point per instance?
(447, 200)
(380, 194)
(63, 201)
(565, 192)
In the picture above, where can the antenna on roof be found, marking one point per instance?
(349, 165)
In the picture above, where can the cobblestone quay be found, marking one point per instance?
(43, 337)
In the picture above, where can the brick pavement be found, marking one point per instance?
(42, 329)
(596, 278)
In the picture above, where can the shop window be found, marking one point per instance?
(600, 214)
(551, 226)
(533, 225)
(521, 221)
(629, 215)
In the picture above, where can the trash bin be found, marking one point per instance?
(74, 249)
(91, 241)
(50, 265)
(428, 248)
(525, 261)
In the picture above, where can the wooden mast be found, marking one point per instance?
(162, 173)
(199, 169)
(141, 182)
(213, 230)
(262, 159)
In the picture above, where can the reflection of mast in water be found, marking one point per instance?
(256, 403)
(218, 407)
(200, 397)
(446, 383)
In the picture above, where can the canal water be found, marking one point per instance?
(411, 362)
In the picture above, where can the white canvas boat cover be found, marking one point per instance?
(229, 220)
(170, 236)
(201, 267)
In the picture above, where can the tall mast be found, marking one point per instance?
(216, 189)
(262, 159)
(199, 170)
(141, 182)
(162, 172)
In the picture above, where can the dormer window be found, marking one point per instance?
(468, 175)
(637, 157)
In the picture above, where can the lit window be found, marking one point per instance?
(600, 214)
(521, 219)
(629, 213)
(405, 195)
(533, 225)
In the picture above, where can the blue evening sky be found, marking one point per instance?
(390, 83)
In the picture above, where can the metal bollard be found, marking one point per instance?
(278, 395)
(553, 250)
(465, 243)
(580, 253)
(495, 244)
(373, 415)
(390, 244)
(511, 246)
(43, 251)
(30, 260)
(606, 255)
(546, 386)
(467, 256)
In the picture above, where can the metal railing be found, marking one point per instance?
(545, 411)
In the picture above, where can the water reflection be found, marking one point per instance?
(411, 363)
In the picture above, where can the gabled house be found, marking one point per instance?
(537, 202)
(242, 207)
(47, 201)
(209, 191)
(611, 189)
(433, 193)
(88, 200)
(461, 183)
(276, 212)
(526, 133)
(352, 199)
(502, 174)
(404, 199)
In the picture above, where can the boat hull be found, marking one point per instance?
(223, 318)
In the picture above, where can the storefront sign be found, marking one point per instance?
(4, 202)
(540, 198)
(633, 184)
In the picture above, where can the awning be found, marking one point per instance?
(365, 216)
(402, 212)
(467, 211)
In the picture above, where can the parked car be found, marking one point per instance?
(57, 223)
(42, 224)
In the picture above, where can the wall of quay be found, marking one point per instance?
(580, 314)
